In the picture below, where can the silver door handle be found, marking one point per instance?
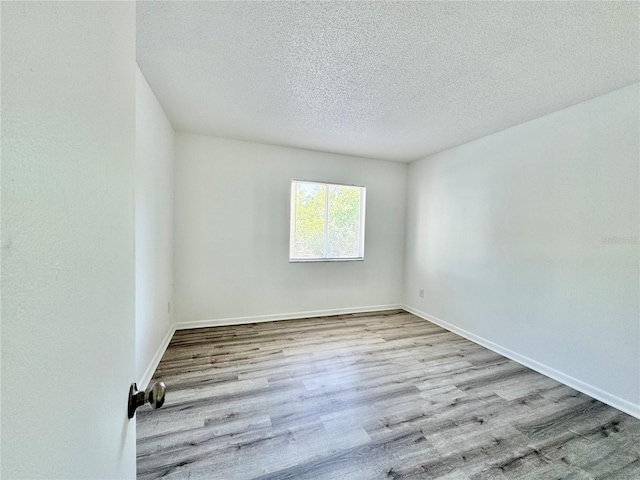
(154, 395)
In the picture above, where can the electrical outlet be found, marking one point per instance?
(421, 293)
(169, 307)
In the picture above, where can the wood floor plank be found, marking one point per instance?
(383, 395)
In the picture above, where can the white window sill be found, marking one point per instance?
(315, 260)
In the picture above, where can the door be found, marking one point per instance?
(68, 146)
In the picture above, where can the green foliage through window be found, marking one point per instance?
(327, 221)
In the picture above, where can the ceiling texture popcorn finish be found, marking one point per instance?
(385, 80)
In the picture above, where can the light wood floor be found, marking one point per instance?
(375, 396)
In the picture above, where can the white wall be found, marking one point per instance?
(154, 228)
(232, 232)
(68, 149)
(528, 238)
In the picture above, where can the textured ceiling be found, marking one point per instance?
(386, 80)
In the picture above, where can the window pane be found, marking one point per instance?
(344, 222)
(308, 220)
(327, 221)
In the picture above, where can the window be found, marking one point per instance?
(327, 222)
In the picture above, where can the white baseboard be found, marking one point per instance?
(592, 391)
(219, 322)
(148, 374)
(605, 397)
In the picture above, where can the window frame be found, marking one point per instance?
(363, 201)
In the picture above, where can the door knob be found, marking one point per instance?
(154, 395)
